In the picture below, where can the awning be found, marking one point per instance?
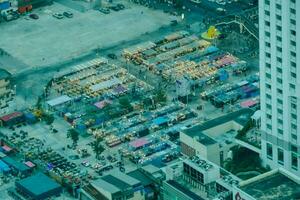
(6, 148)
(105, 84)
(59, 100)
(29, 164)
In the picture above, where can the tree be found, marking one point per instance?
(49, 118)
(160, 96)
(97, 147)
(74, 135)
(125, 104)
(178, 4)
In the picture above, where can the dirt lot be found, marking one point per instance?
(48, 41)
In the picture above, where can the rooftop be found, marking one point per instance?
(38, 184)
(137, 174)
(275, 186)
(4, 74)
(241, 117)
(184, 190)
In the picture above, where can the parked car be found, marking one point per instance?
(120, 6)
(112, 56)
(58, 16)
(104, 10)
(68, 14)
(114, 8)
(174, 22)
(33, 16)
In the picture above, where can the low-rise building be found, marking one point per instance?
(115, 186)
(213, 139)
(38, 187)
(275, 184)
(191, 178)
(6, 92)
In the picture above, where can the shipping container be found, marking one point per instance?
(24, 9)
(4, 5)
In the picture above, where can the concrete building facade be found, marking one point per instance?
(280, 83)
(5, 89)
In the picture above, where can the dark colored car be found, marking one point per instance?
(112, 56)
(120, 6)
(114, 8)
(104, 10)
(68, 14)
(33, 16)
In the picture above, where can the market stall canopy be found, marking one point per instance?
(29, 164)
(248, 103)
(139, 47)
(105, 84)
(59, 100)
(102, 104)
(11, 116)
(139, 143)
(6, 148)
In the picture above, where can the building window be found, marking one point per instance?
(278, 6)
(294, 126)
(292, 87)
(278, 17)
(293, 11)
(269, 151)
(280, 156)
(279, 39)
(294, 116)
(278, 28)
(279, 91)
(293, 75)
(293, 43)
(279, 49)
(267, 2)
(294, 161)
(280, 131)
(267, 12)
(279, 60)
(294, 149)
(293, 32)
(293, 22)
(279, 80)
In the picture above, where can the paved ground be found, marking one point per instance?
(49, 41)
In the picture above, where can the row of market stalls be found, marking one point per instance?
(96, 79)
(81, 94)
(16, 118)
(247, 90)
(183, 55)
(140, 133)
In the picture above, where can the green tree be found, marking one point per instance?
(74, 135)
(125, 103)
(49, 118)
(97, 147)
(160, 96)
(178, 3)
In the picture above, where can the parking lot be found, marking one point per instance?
(49, 41)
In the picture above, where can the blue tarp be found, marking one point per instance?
(4, 167)
(160, 120)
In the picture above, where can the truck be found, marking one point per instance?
(10, 14)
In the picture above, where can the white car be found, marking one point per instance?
(58, 15)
